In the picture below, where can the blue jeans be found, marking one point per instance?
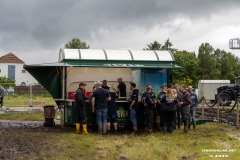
(192, 114)
(133, 117)
(101, 115)
(102, 120)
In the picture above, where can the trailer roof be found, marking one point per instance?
(115, 55)
(214, 81)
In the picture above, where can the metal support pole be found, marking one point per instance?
(203, 107)
(30, 100)
(218, 104)
(237, 114)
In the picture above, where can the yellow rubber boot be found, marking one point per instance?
(78, 128)
(85, 129)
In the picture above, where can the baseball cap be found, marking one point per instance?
(82, 84)
(98, 83)
(164, 85)
(133, 84)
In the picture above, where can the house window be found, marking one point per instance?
(23, 71)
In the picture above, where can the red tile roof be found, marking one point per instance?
(10, 58)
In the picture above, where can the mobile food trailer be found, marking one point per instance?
(142, 67)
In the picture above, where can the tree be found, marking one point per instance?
(188, 75)
(76, 43)
(153, 46)
(207, 62)
(228, 64)
(167, 45)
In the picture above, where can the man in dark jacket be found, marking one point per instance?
(194, 104)
(134, 106)
(148, 109)
(80, 108)
(185, 104)
(159, 106)
(121, 89)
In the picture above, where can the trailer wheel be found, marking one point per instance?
(226, 99)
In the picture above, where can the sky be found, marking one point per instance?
(35, 30)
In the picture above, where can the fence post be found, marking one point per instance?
(237, 114)
(30, 100)
(218, 104)
(203, 107)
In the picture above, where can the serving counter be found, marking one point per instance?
(122, 107)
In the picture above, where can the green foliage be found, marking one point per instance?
(207, 62)
(228, 64)
(76, 43)
(188, 75)
(6, 83)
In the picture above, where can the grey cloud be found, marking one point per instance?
(33, 24)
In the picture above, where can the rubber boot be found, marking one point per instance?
(78, 128)
(85, 129)
(134, 130)
(194, 126)
(104, 128)
(100, 129)
(150, 130)
(158, 123)
(146, 130)
(185, 129)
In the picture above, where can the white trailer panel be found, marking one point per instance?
(208, 88)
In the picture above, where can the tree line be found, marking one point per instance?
(209, 63)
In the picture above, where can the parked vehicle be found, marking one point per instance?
(208, 88)
(229, 93)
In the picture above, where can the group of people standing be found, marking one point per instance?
(173, 106)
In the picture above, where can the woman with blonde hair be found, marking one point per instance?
(169, 111)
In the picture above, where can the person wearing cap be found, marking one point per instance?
(99, 105)
(133, 106)
(194, 104)
(185, 104)
(112, 111)
(159, 106)
(121, 89)
(80, 108)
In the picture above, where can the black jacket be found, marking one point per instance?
(79, 99)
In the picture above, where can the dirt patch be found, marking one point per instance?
(27, 141)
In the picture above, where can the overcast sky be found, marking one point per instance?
(35, 30)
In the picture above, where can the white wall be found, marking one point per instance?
(19, 76)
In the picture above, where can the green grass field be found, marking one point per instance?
(23, 100)
(24, 116)
(174, 146)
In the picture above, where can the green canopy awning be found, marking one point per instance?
(50, 74)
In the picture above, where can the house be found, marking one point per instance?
(12, 67)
